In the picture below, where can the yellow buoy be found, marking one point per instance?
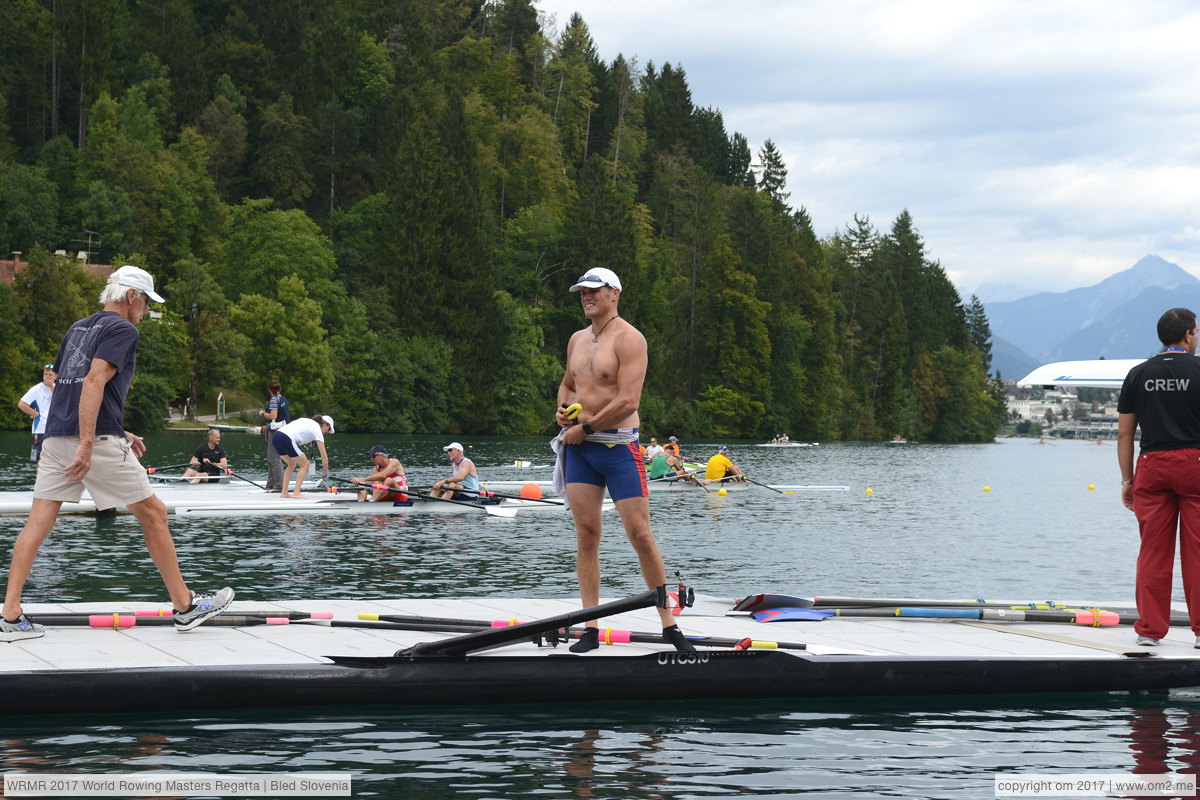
(869, 491)
(987, 488)
(1091, 487)
(722, 491)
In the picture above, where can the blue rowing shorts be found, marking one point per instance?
(284, 445)
(617, 466)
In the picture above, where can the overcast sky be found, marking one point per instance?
(1038, 145)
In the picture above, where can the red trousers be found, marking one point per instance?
(1166, 497)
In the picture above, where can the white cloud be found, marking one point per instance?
(1039, 144)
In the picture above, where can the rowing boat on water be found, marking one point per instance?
(198, 500)
(346, 661)
(255, 429)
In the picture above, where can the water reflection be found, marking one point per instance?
(930, 747)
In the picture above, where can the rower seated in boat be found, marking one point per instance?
(209, 461)
(720, 468)
(464, 483)
(388, 474)
(665, 466)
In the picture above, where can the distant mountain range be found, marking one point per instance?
(1113, 319)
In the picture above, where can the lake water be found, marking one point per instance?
(927, 529)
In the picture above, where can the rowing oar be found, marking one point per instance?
(765, 486)
(759, 602)
(243, 478)
(167, 613)
(490, 493)
(119, 622)
(492, 511)
(152, 470)
(1094, 618)
(607, 635)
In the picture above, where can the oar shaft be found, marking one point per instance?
(243, 478)
(607, 635)
(1092, 618)
(152, 470)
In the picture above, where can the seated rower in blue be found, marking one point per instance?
(464, 483)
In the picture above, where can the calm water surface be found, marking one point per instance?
(928, 529)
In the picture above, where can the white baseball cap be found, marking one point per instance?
(596, 277)
(329, 422)
(452, 446)
(136, 278)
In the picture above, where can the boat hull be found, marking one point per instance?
(475, 680)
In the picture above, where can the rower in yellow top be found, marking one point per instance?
(719, 467)
(606, 366)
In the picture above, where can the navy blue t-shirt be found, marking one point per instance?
(1164, 393)
(105, 335)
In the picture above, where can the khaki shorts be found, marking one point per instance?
(116, 478)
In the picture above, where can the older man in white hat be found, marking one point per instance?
(86, 446)
(464, 483)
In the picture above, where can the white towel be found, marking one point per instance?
(558, 481)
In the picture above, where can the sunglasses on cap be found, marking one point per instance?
(47, 366)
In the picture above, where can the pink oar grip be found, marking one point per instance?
(321, 615)
(278, 621)
(613, 636)
(154, 613)
(1096, 618)
(113, 621)
(505, 623)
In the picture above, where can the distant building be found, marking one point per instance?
(10, 268)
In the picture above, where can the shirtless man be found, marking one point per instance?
(606, 366)
(388, 472)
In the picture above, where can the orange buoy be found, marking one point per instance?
(531, 491)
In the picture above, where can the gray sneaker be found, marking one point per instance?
(204, 606)
(21, 629)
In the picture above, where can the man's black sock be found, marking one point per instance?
(675, 636)
(589, 640)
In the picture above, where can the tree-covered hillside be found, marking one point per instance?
(383, 202)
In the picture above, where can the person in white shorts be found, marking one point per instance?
(86, 447)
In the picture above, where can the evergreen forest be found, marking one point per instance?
(383, 203)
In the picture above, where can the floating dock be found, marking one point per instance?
(333, 662)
